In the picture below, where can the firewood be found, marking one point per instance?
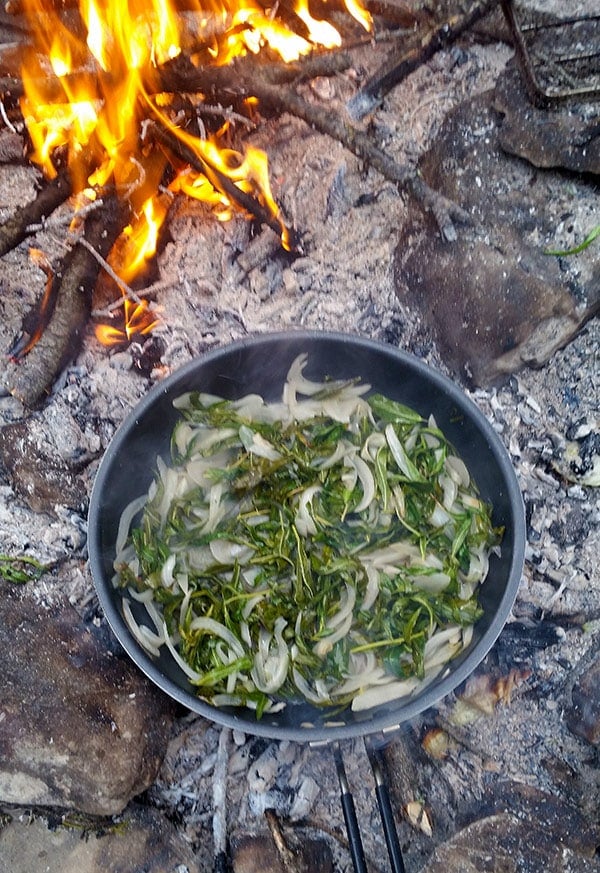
(16, 228)
(280, 100)
(408, 56)
(247, 202)
(168, 79)
(30, 378)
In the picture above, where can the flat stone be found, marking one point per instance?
(557, 823)
(503, 843)
(493, 299)
(565, 136)
(142, 839)
(80, 727)
(518, 829)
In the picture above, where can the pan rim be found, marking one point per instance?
(373, 722)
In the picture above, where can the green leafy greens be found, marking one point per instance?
(329, 547)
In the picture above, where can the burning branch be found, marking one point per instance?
(278, 99)
(120, 97)
(246, 201)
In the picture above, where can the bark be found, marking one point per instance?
(30, 378)
(16, 228)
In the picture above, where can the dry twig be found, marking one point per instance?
(281, 100)
(291, 861)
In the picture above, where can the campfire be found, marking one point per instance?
(130, 107)
(102, 114)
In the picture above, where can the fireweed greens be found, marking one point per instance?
(326, 547)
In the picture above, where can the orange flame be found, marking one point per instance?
(138, 320)
(106, 75)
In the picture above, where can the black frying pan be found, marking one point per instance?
(260, 365)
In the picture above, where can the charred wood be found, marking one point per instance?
(291, 861)
(67, 309)
(404, 59)
(15, 229)
(247, 202)
(174, 77)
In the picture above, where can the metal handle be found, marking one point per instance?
(385, 810)
(349, 810)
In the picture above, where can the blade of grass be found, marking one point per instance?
(592, 235)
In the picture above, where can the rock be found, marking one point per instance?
(561, 137)
(519, 829)
(494, 301)
(554, 821)
(142, 840)
(584, 717)
(504, 844)
(80, 727)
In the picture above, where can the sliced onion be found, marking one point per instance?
(398, 452)
(458, 470)
(341, 450)
(371, 446)
(252, 602)
(305, 689)
(325, 645)
(394, 554)
(166, 573)
(216, 509)
(366, 480)
(399, 500)
(192, 674)
(450, 489)
(384, 693)
(439, 517)
(211, 626)
(127, 516)
(304, 521)
(347, 601)
(372, 589)
(364, 672)
(271, 665)
(432, 582)
(449, 636)
(227, 552)
(148, 641)
(256, 444)
(145, 596)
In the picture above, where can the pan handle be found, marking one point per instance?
(349, 810)
(385, 809)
